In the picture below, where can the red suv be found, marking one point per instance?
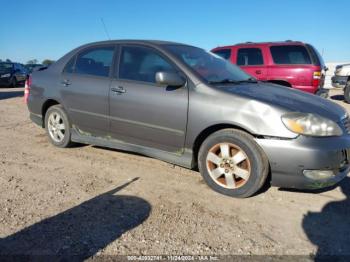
(290, 63)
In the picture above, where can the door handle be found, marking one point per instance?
(118, 89)
(66, 82)
(258, 72)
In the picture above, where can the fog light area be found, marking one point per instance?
(318, 174)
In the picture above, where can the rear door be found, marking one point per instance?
(251, 60)
(141, 111)
(85, 87)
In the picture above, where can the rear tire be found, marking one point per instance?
(58, 127)
(232, 163)
(347, 92)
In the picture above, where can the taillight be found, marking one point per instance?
(316, 78)
(27, 85)
(317, 75)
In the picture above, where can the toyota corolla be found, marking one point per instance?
(187, 106)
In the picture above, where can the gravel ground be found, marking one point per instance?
(94, 201)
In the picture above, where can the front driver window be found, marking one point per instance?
(142, 64)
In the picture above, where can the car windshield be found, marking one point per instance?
(5, 67)
(210, 67)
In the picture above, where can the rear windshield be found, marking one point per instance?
(290, 55)
(6, 67)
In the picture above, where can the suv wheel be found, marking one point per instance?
(347, 92)
(57, 126)
(232, 163)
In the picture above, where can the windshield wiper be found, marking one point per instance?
(248, 80)
(224, 81)
(231, 81)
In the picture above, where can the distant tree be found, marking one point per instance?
(0, 60)
(8, 60)
(47, 62)
(32, 61)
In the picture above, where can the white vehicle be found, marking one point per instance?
(341, 79)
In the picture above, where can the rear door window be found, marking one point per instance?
(224, 53)
(95, 61)
(290, 55)
(141, 64)
(249, 57)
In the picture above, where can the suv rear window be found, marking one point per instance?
(290, 55)
(224, 53)
(249, 56)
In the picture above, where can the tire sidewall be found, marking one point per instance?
(67, 136)
(254, 153)
(347, 92)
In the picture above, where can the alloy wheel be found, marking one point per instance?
(56, 127)
(228, 165)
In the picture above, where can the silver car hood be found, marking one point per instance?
(287, 98)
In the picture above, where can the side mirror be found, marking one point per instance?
(169, 79)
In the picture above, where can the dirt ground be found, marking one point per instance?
(95, 201)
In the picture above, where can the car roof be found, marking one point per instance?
(135, 41)
(288, 42)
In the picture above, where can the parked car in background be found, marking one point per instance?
(34, 67)
(341, 79)
(187, 106)
(290, 63)
(12, 74)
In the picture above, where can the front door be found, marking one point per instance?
(143, 112)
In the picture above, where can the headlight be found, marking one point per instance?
(6, 75)
(311, 124)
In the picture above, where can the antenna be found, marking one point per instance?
(105, 28)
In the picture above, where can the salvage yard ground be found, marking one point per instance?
(94, 200)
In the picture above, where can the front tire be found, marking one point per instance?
(232, 163)
(347, 92)
(58, 127)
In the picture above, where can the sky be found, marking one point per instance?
(41, 29)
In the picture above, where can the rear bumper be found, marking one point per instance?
(290, 158)
(339, 81)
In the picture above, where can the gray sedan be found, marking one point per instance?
(184, 105)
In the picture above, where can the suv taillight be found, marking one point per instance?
(316, 78)
(27, 85)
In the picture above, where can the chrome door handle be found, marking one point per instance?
(118, 89)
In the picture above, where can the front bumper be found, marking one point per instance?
(339, 81)
(289, 158)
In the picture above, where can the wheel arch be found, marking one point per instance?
(47, 104)
(207, 132)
